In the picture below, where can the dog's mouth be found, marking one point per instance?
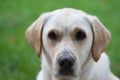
(66, 72)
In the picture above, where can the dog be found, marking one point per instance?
(73, 44)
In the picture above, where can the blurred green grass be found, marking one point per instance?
(18, 60)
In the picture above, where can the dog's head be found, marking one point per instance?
(68, 37)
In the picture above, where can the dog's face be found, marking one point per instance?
(67, 41)
(68, 37)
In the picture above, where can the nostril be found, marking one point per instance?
(70, 64)
(66, 62)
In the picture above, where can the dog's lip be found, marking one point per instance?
(65, 73)
(65, 76)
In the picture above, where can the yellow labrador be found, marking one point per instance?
(73, 43)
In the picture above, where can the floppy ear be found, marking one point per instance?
(101, 38)
(34, 34)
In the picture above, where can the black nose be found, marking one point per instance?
(66, 62)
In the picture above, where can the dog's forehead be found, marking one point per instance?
(68, 20)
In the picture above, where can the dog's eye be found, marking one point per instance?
(80, 35)
(52, 36)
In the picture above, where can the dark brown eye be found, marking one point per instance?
(80, 35)
(52, 36)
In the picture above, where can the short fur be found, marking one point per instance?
(91, 61)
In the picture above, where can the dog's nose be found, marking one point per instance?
(66, 62)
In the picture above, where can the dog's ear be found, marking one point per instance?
(34, 34)
(101, 38)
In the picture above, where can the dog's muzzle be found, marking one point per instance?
(66, 62)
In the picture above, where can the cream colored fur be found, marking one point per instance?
(91, 63)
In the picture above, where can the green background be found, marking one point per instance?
(18, 60)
